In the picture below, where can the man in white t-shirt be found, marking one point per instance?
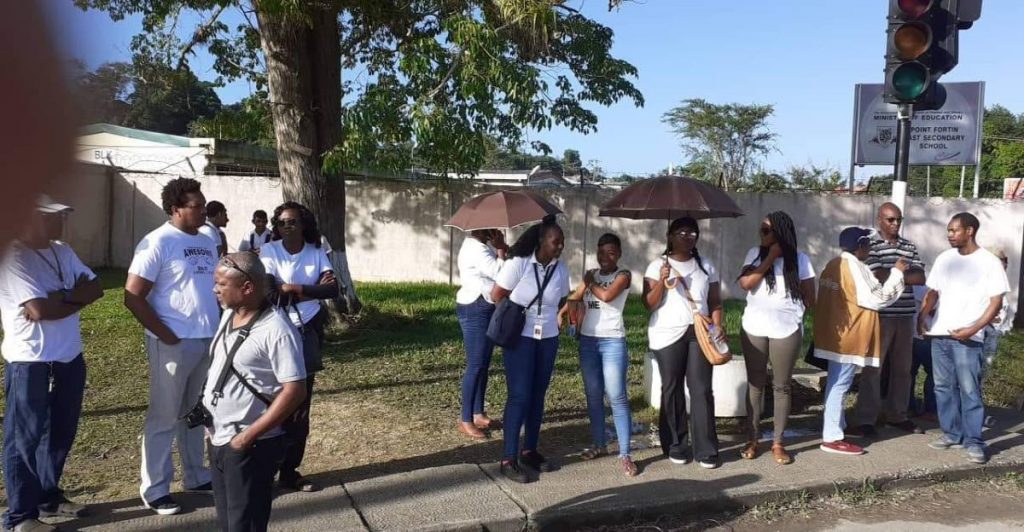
(216, 220)
(968, 283)
(247, 441)
(260, 234)
(170, 291)
(43, 287)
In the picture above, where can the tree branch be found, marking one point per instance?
(200, 35)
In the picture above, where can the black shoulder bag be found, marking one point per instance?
(199, 415)
(507, 322)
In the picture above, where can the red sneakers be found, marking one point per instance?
(841, 447)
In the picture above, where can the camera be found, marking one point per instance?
(198, 416)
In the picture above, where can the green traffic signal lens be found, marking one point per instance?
(910, 80)
(912, 40)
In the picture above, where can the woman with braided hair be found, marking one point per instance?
(779, 281)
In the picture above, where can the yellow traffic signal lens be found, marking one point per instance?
(912, 40)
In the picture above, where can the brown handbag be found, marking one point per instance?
(700, 327)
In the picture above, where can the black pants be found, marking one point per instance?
(684, 360)
(296, 434)
(243, 484)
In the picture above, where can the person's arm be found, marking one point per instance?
(715, 305)
(620, 283)
(506, 277)
(965, 333)
(52, 307)
(750, 278)
(576, 296)
(809, 292)
(654, 289)
(85, 292)
(871, 294)
(326, 288)
(135, 291)
(292, 395)
(927, 307)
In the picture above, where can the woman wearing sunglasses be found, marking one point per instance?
(779, 281)
(667, 281)
(301, 275)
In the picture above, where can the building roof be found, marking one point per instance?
(140, 134)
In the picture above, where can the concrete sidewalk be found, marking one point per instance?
(477, 497)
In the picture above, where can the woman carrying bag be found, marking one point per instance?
(675, 286)
(779, 281)
(536, 280)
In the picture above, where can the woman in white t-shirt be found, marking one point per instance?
(301, 275)
(670, 334)
(604, 358)
(779, 281)
(534, 278)
(480, 259)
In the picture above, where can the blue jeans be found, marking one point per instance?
(922, 359)
(603, 362)
(840, 378)
(528, 368)
(958, 389)
(40, 424)
(474, 318)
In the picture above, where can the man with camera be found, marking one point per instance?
(256, 382)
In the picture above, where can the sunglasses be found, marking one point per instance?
(234, 266)
(895, 219)
(766, 231)
(287, 222)
(685, 234)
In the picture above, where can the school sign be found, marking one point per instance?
(950, 136)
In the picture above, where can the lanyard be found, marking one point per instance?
(541, 287)
(53, 266)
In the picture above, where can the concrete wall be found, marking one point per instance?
(87, 229)
(395, 233)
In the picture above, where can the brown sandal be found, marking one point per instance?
(750, 451)
(780, 455)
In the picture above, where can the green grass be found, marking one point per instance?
(403, 357)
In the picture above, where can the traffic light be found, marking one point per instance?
(921, 46)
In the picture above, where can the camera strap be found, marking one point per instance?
(228, 368)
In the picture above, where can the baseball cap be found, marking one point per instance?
(851, 237)
(45, 204)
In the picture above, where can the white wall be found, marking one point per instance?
(395, 233)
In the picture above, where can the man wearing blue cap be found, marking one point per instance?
(847, 329)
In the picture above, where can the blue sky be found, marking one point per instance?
(802, 56)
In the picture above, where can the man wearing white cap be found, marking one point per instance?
(43, 287)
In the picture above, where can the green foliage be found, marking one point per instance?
(248, 120)
(443, 77)
(144, 94)
(727, 139)
(814, 178)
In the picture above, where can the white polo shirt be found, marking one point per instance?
(519, 274)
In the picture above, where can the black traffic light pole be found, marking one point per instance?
(902, 166)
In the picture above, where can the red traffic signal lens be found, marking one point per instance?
(910, 80)
(912, 40)
(915, 8)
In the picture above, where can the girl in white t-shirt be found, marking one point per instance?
(301, 276)
(671, 336)
(534, 278)
(604, 358)
(779, 281)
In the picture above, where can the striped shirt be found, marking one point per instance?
(884, 255)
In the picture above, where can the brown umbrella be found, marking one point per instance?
(669, 197)
(502, 210)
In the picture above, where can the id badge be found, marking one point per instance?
(538, 330)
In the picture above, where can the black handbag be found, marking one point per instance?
(812, 360)
(507, 322)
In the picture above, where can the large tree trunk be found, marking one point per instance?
(303, 58)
